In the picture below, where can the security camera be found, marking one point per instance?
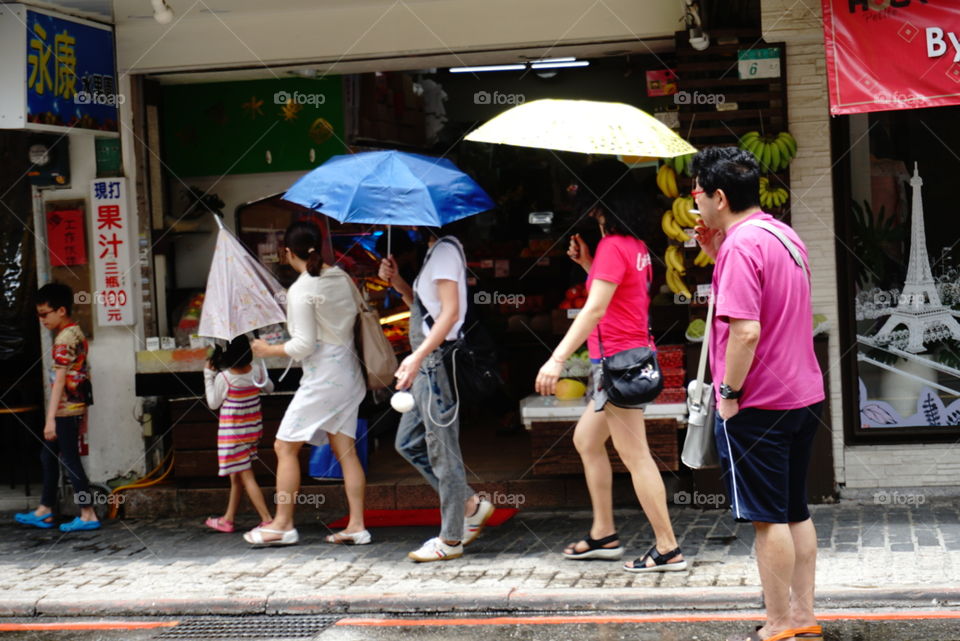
(162, 12)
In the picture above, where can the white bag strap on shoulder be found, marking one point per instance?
(702, 366)
(789, 244)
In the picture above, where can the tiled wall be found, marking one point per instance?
(798, 23)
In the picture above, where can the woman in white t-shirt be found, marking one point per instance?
(321, 315)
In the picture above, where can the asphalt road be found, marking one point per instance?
(940, 625)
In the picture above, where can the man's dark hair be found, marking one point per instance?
(731, 169)
(55, 296)
(610, 186)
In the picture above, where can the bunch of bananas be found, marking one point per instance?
(672, 229)
(772, 198)
(702, 259)
(680, 164)
(673, 258)
(773, 152)
(681, 211)
(667, 181)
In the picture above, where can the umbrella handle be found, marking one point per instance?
(266, 377)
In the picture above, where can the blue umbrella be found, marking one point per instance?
(390, 188)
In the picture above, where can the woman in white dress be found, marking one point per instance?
(321, 314)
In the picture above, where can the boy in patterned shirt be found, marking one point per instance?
(70, 395)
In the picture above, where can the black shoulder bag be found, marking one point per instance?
(631, 378)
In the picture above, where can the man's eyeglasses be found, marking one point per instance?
(42, 315)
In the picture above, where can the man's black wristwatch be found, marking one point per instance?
(729, 393)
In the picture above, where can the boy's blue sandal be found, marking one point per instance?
(79, 524)
(29, 518)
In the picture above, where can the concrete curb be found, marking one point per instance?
(660, 600)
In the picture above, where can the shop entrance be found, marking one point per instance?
(523, 287)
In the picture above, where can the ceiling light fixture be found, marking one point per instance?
(558, 65)
(535, 65)
(162, 12)
(488, 68)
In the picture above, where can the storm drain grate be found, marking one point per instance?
(250, 627)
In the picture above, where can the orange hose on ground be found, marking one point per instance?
(144, 481)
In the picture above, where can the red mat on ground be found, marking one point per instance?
(431, 516)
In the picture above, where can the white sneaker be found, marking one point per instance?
(436, 550)
(473, 525)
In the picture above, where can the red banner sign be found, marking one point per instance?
(65, 239)
(891, 54)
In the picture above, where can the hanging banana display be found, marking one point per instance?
(680, 164)
(667, 181)
(681, 211)
(772, 197)
(774, 153)
(703, 259)
(672, 229)
(676, 270)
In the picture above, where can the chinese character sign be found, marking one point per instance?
(111, 251)
(66, 240)
(891, 54)
(65, 76)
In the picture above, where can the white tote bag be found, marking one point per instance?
(700, 445)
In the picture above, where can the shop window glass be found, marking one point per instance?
(902, 249)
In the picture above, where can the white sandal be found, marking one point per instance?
(357, 538)
(287, 537)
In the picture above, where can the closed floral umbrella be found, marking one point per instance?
(584, 126)
(242, 295)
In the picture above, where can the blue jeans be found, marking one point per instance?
(429, 438)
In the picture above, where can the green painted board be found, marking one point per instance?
(229, 127)
(108, 157)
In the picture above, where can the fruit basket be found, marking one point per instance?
(577, 366)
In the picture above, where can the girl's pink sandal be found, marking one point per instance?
(219, 524)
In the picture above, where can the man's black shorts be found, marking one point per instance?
(764, 457)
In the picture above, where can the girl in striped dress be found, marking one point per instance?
(231, 385)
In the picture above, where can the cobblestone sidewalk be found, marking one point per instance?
(861, 546)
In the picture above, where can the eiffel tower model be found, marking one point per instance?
(919, 306)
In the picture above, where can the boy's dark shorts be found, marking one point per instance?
(764, 459)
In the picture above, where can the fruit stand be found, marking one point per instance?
(551, 419)
(550, 422)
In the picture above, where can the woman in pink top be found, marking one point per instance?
(616, 313)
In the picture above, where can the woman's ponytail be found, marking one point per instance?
(304, 239)
(314, 261)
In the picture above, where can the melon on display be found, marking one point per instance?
(569, 389)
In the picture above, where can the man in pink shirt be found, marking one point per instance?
(769, 385)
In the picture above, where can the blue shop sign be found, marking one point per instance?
(57, 72)
(71, 76)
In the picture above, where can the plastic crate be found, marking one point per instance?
(675, 377)
(670, 356)
(672, 395)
